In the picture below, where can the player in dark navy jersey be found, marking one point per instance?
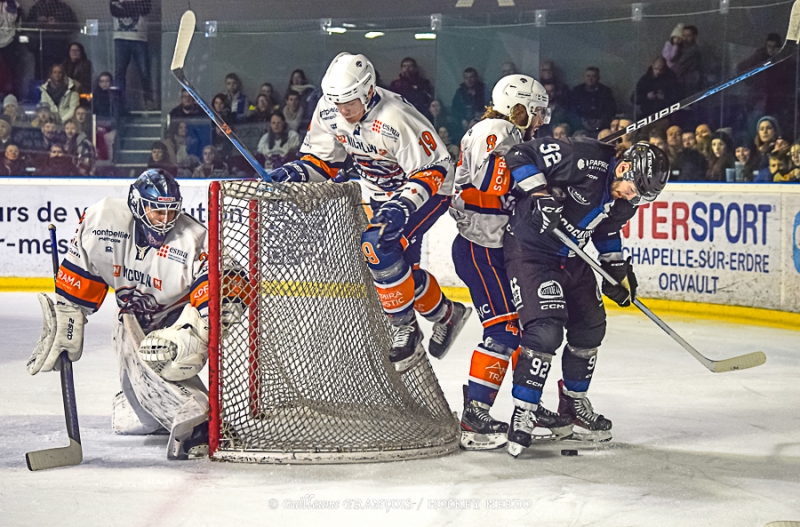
(589, 191)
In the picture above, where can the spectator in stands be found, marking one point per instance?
(78, 67)
(280, 144)
(444, 135)
(181, 143)
(657, 138)
(689, 140)
(5, 133)
(657, 89)
(13, 164)
(105, 97)
(561, 132)
(262, 111)
(559, 93)
(749, 162)
(722, 157)
(80, 148)
(298, 83)
(9, 49)
(702, 136)
(274, 99)
(60, 93)
(767, 134)
(212, 166)
(686, 164)
(130, 46)
(556, 104)
(187, 108)
(159, 158)
(220, 105)
(440, 118)
(56, 22)
(293, 112)
(672, 47)
(508, 68)
(57, 164)
(771, 91)
(84, 120)
(51, 133)
(777, 171)
(794, 155)
(469, 101)
(689, 63)
(11, 109)
(593, 102)
(238, 101)
(43, 113)
(416, 89)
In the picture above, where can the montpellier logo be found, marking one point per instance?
(796, 243)
(550, 290)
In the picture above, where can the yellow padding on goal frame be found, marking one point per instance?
(732, 314)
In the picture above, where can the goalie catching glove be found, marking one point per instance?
(180, 351)
(62, 330)
(622, 271)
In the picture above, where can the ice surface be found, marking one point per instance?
(690, 448)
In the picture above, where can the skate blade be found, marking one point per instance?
(406, 364)
(549, 435)
(515, 449)
(476, 441)
(588, 436)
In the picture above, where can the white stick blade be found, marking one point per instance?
(185, 33)
(793, 33)
(751, 360)
(55, 457)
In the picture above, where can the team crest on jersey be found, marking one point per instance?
(141, 252)
(577, 196)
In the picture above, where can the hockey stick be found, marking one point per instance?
(185, 34)
(783, 524)
(72, 454)
(789, 48)
(749, 360)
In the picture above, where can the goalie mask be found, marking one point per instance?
(155, 201)
(649, 170)
(512, 90)
(349, 77)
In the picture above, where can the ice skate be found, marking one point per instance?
(479, 430)
(520, 431)
(587, 425)
(446, 331)
(407, 347)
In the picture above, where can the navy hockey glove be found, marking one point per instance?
(545, 213)
(293, 172)
(621, 271)
(392, 218)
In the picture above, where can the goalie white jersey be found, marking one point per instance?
(393, 144)
(148, 283)
(483, 183)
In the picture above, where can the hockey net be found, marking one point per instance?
(299, 369)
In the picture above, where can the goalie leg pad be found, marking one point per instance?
(188, 438)
(62, 330)
(180, 351)
(157, 397)
(127, 420)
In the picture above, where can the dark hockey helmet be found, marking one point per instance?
(155, 190)
(649, 170)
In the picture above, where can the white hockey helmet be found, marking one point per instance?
(349, 77)
(516, 89)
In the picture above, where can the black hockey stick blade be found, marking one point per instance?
(68, 455)
(789, 48)
(741, 362)
(783, 524)
(185, 33)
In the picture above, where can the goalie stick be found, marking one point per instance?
(72, 454)
(789, 48)
(185, 34)
(748, 360)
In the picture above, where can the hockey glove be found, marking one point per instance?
(293, 172)
(545, 214)
(622, 271)
(180, 351)
(392, 218)
(62, 330)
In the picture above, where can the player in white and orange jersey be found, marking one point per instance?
(407, 174)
